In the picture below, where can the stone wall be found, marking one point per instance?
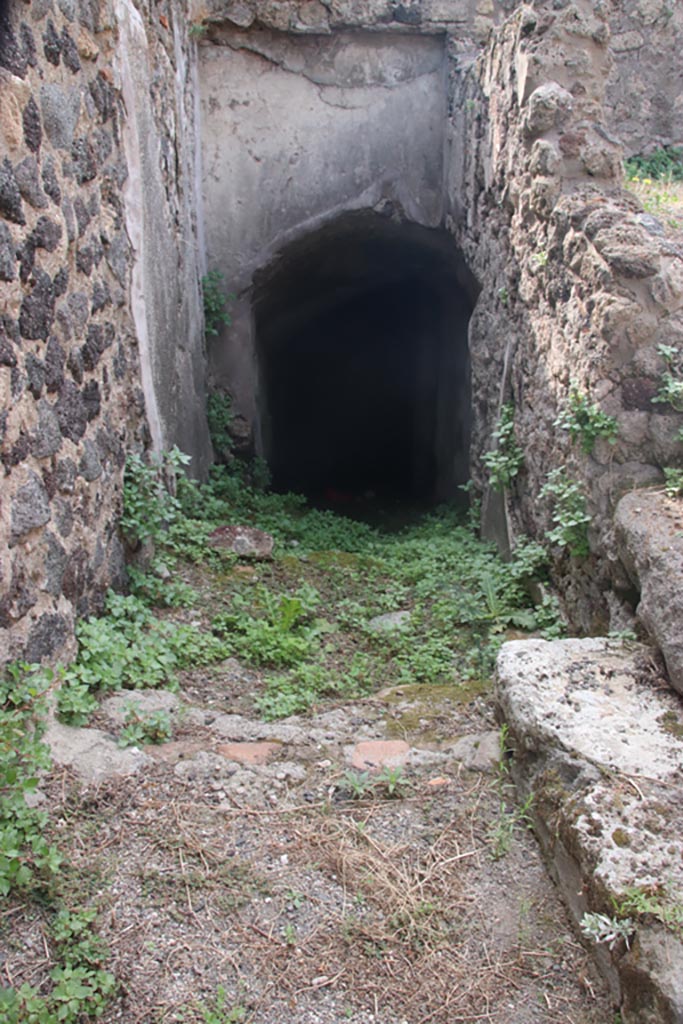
(645, 87)
(72, 339)
(580, 286)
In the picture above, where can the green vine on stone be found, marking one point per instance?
(215, 314)
(671, 385)
(586, 421)
(219, 415)
(569, 516)
(505, 460)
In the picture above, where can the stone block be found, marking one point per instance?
(10, 196)
(8, 269)
(597, 740)
(30, 508)
(548, 107)
(61, 109)
(649, 539)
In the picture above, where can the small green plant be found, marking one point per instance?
(665, 164)
(218, 1011)
(357, 784)
(392, 782)
(569, 514)
(654, 901)
(80, 986)
(673, 482)
(504, 295)
(129, 648)
(609, 930)
(585, 421)
(139, 728)
(540, 258)
(474, 508)
(159, 587)
(285, 635)
(25, 855)
(197, 30)
(671, 386)
(149, 508)
(502, 831)
(219, 415)
(529, 560)
(215, 313)
(506, 458)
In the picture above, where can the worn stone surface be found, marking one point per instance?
(586, 696)
(644, 97)
(388, 621)
(649, 538)
(371, 755)
(144, 701)
(245, 541)
(479, 752)
(30, 508)
(248, 753)
(598, 744)
(92, 753)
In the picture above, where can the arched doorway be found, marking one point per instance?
(361, 339)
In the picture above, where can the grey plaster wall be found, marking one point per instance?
(299, 129)
(158, 138)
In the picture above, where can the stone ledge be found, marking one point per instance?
(598, 741)
(649, 538)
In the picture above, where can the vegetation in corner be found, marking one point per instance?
(219, 415)
(78, 985)
(215, 314)
(569, 514)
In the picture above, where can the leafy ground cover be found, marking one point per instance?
(206, 890)
(657, 180)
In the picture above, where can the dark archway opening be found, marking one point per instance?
(361, 335)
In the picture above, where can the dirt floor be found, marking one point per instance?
(364, 860)
(301, 890)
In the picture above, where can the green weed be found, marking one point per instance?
(139, 728)
(506, 458)
(585, 421)
(80, 987)
(570, 517)
(215, 314)
(26, 857)
(665, 164)
(219, 415)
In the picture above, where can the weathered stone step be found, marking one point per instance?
(597, 736)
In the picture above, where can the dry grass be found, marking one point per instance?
(662, 199)
(322, 912)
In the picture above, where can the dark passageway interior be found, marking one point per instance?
(363, 362)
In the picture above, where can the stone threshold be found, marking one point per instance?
(596, 736)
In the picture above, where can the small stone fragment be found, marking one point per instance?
(245, 541)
